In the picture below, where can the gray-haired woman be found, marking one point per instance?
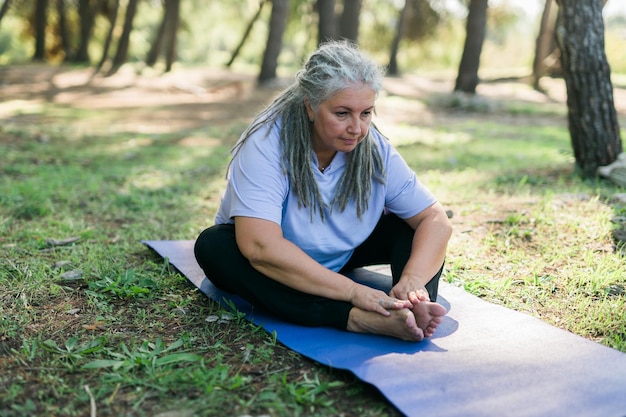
(314, 190)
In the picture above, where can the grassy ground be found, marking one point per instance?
(92, 322)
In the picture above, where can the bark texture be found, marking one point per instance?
(593, 124)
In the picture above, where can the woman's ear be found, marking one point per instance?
(309, 110)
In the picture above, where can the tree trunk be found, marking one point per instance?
(122, 46)
(544, 43)
(278, 21)
(326, 20)
(157, 43)
(467, 79)
(593, 124)
(349, 25)
(87, 14)
(62, 28)
(4, 9)
(246, 33)
(403, 18)
(173, 18)
(41, 17)
(107, 43)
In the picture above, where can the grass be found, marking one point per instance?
(92, 320)
(533, 237)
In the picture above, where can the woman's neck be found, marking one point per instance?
(324, 159)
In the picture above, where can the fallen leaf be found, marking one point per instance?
(99, 325)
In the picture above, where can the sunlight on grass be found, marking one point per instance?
(12, 108)
(486, 145)
(551, 257)
(401, 135)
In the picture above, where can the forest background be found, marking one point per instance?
(210, 31)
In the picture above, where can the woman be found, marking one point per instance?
(314, 190)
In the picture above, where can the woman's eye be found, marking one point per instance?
(341, 113)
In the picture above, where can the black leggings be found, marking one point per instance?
(219, 257)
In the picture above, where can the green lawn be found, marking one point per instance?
(90, 318)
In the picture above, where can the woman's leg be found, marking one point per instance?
(219, 257)
(390, 243)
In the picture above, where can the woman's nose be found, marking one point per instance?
(355, 127)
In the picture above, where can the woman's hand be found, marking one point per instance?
(410, 289)
(370, 299)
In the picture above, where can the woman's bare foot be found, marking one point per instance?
(400, 324)
(428, 315)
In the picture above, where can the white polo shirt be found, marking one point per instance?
(257, 187)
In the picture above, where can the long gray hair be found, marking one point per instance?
(333, 67)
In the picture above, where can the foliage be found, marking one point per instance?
(424, 20)
(210, 31)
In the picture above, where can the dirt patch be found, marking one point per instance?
(188, 98)
(128, 102)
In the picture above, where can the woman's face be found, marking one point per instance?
(342, 121)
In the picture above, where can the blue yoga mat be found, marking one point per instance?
(484, 360)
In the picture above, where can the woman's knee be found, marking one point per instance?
(215, 239)
(216, 246)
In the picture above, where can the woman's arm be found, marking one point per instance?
(262, 243)
(432, 233)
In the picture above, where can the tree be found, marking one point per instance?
(157, 43)
(350, 19)
(167, 33)
(122, 47)
(5, 8)
(326, 20)
(593, 124)
(417, 20)
(173, 18)
(544, 45)
(87, 14)
(246, 33)
(278, 22)
(63, 32)
(112, 16)
(41, 18)
(467, 79)
(395, 45)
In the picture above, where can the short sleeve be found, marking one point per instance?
(405, 195)
(257, 185)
